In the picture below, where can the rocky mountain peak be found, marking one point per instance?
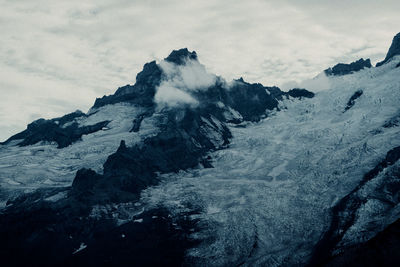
(344, 69)
(394, 50)
(180, 56)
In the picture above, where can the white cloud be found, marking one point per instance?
(74, 50)
(191, 76)
(319, 83)
(180, 81)
(171, 96)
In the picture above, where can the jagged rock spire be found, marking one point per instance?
(394, 50)
(180, 56)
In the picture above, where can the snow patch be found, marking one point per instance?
(81, 247)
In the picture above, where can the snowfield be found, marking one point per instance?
(267, 200)
(43, 164)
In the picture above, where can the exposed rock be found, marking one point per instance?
(84, 181)
(136, 124)
(142, 93)
(275, 92)
(352, 99)
(250, 100)
(344, 213)
(393, 122)
(69, 117)
(179, 57)
(381, 250)
(344, 69)
(56, 130)
(394, 50)
(63, 234)
(299, 93)
(182, 143)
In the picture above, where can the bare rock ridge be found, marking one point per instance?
(179, 57)
(249, 100)
(394, 50)
(141, 93)
(64, 131)
(344, 69)
(344, 213)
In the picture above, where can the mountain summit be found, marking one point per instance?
(394, 50)
(180, 56)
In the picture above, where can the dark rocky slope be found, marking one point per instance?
(394, 50)
(64, 131)
(344, 69)
(381, 250)
(345, 212)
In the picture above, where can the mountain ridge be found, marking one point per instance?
(394, 50)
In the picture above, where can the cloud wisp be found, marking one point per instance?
(180, 81)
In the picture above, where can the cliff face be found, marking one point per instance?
(344, 69)
(394, 50)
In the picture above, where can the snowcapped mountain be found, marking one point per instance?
(185, 168)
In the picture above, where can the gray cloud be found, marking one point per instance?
(76, 50)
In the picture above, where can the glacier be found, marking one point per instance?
(267, 200)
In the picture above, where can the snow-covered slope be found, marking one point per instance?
(267, 200)
(39, 165)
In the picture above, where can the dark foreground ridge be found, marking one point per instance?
(35, 230)
(344, 214)
(381, 250)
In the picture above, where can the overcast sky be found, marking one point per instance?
(58, 56)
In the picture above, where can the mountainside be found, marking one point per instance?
(185, 168)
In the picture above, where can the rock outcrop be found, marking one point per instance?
(64, 131)
(394, 50)
(353, 99)
(344, 69)
(347, 211)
